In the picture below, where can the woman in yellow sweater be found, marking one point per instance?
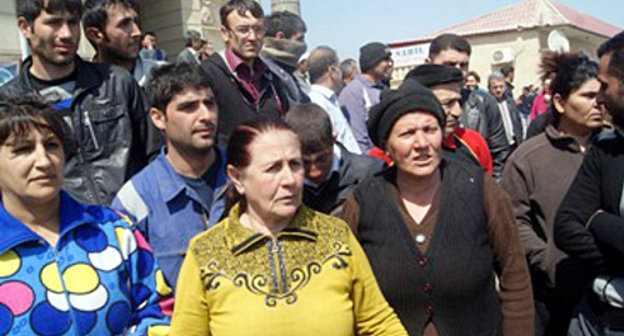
(275, 267)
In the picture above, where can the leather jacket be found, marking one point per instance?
(481, 113)
(110, 131)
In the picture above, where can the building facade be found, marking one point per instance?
(515, 35)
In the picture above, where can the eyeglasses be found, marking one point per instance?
(244, 30)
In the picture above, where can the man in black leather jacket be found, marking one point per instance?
(480, 111)
(102, 104)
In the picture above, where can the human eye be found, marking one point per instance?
(52, 144)
(296, 164)
(22, 148)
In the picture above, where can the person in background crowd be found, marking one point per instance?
(542, 100)
(327, 84)
(388, 75)
(331, 171)
(273, 266)
(301, 73)
(363, 92)
(242, 83)
(525, 101)
(182, 192)
(472, 81)
(283, 46)
(67, 268)
(149, 50)
(112, 27)
(509, 73)
(193, 46)
(349, 69)
(539, 173)
(105, 107)
(445, 83)
(206, 50)
(480, 111)
(437, 232)
(589, 226)
(508, 110)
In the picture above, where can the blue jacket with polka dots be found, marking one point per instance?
(100, 279)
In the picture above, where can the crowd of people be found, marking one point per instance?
(266, 190)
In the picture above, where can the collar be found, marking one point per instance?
(561, 140)
(367, 83)
(87, 74)
(326, 92)
(235, 62)
(302, 226)
(283, 50)
(192, 51)
(72, 215)
(172, 185)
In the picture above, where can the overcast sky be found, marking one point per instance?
(345, 25)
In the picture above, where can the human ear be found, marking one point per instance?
(235, 176)
(24, 27)
(94, 35)
(558, 102)
(158, 118)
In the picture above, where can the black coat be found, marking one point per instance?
(236, 105)
(110, 130)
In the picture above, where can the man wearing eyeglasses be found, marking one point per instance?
(243, 84)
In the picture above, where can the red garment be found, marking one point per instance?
(474, 142)
(539, 106)
(378, 153)
(250, 79)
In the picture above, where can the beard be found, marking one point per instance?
(119, 52)
(615, 106)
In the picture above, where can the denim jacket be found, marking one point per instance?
(169, 212)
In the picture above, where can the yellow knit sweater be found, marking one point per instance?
(312, 278)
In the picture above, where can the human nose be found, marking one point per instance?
(136, 30)
(42, 158)
(65, 32)
(420, 141)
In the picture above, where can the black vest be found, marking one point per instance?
(453, 282)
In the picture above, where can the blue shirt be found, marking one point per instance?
(355, 100)
(327, 99)
(169, 211)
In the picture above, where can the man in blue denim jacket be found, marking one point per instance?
(182, 192)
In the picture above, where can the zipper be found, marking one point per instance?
(273, 249)
(70, 310)
(89, 125)
(278, 267)
(91, 192)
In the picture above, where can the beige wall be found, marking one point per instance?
(9, 39)
(526, 46)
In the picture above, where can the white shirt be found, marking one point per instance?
(328, 100)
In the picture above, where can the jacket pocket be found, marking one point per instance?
(107, 129)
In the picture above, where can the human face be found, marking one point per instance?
(497, 88)
(454, 58)
(415, 144)
(581, 109)
(611, 91)
(122, 35)
(244, 34)
(32, 167)
(53, 37)
(336, 76)
(149, 42)
(382, 69)
(450, 99)
(318, 164)
(273, 181)
(471, 83)
(298, 36)
(190, 121)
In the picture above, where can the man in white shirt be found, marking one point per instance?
(326, 79)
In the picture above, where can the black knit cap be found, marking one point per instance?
(373, 53)
(431, 75)
(411, 96)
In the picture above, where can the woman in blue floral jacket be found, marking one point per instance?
(66, 268)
